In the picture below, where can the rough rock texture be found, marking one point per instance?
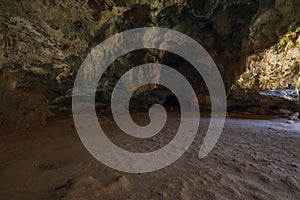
(21, 108)
(275, 19)
(43, 43)
(269, 78)
(274, 68)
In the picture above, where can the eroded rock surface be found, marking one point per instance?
(43, 43)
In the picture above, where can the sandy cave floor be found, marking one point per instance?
(253, 159)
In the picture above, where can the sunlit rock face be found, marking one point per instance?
(292, 95)
(43, 43)
(272, 77)
(274, 68)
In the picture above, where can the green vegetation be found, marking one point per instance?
(288, 41)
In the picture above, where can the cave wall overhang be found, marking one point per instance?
(43, 43)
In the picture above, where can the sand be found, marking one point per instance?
(253, 159)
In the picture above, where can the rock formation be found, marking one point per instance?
(43, 43)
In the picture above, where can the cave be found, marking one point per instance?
(139, 99)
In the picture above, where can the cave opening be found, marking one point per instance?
(59, 141)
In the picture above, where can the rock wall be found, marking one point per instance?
(43, 43)
(275, 68)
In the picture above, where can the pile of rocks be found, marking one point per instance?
(287, 114)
